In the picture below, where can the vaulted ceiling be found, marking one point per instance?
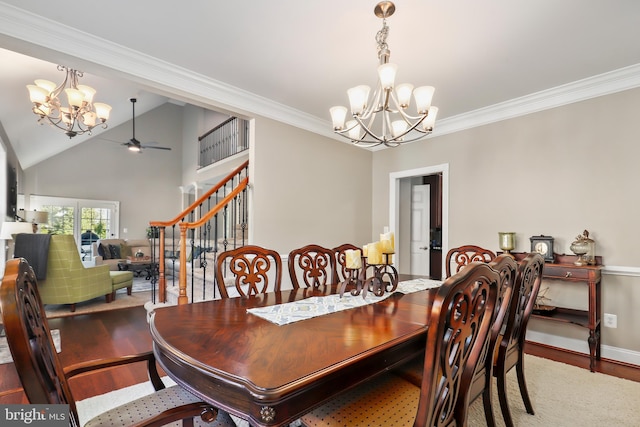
(291, 60)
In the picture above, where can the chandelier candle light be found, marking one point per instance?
(388, 103)
(375, 257)
(80, 115)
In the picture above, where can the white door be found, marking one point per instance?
(420, 221)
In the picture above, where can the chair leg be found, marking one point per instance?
(486, 400)
(109, 297)
(129, 289)
(522, 382)
(502, 395)
(73, 308)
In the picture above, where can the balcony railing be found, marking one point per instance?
(225, 140)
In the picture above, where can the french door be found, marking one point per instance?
(75, 216)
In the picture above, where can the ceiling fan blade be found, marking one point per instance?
(155, 147)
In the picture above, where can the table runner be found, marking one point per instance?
(290, 312)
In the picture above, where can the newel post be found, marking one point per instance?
(182, 282)
(162, 281)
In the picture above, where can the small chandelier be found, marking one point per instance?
(80, 115)
(388, 103)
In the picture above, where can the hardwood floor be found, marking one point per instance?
(92, 336)
(125, 331)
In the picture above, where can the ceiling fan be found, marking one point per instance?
(133, 144)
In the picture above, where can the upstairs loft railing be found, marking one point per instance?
(211, 224)
(225, 140)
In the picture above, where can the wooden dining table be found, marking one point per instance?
(271, 375)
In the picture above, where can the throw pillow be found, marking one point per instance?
(104, 251)
(115, 251)
(200, 250)
(125, 250)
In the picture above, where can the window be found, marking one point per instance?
(75, 216)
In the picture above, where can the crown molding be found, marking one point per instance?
(42, 33)
(580, 90)
(46, 36)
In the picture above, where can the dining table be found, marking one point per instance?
(270, 374)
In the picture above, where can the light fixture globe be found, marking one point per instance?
(381, 117)
(79, 115)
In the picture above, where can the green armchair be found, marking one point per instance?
(68, 281)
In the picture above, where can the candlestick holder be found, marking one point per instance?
(384, 278)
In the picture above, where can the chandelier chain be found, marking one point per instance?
(381, 39)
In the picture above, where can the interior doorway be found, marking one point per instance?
(415, 244)
(420, 228)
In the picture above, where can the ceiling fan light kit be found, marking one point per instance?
(388, 103)
(133, 144)
(79, 116)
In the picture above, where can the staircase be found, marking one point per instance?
(186, 248)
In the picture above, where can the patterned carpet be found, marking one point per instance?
(562, 395)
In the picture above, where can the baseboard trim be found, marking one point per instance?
(580, 346)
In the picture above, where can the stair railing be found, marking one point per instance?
(215, 218)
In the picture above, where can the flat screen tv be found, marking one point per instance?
(12, 192)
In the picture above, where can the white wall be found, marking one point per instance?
(556, 172)
(308, 189)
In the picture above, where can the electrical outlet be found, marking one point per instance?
(610, 320)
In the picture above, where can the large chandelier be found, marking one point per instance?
(79, 115)
(388, 103)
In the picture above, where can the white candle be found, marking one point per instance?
(374, 253)
(353, 258)
(388, 243)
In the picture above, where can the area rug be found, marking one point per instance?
(562, 395)
(5, 353)
(141, 293)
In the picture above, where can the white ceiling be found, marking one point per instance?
(291, 60)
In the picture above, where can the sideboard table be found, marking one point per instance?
(563, 269)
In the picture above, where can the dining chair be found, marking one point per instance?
(510, 347)
(253, 270)
(459, 326)
(459, 257)
(311, 266)
(45, 381)
(481, 384)
(341, 262)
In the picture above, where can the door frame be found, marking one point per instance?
(394, 201)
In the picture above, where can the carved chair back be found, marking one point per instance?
(507, 268)
(510, 351)
(461, 317)
(311, 266)
(525, 292)
(458, 258)
(341, 262)
(254, 270)
(29, 338)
